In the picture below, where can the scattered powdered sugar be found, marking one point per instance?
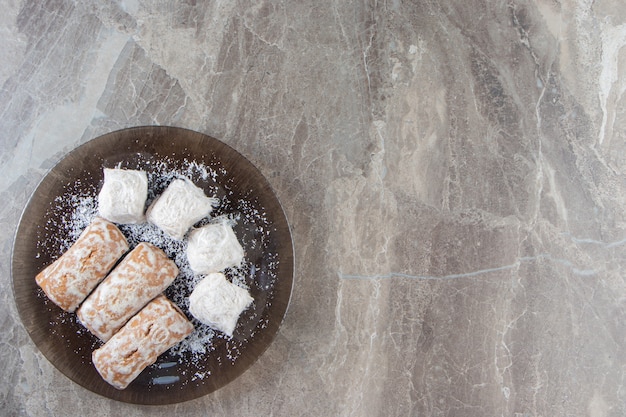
(76, 212)
(72, 212)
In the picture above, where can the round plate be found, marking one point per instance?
(69, 191)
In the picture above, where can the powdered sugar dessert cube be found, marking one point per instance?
(179, 207)
(218, 303)
(122, 198)
(213, 248)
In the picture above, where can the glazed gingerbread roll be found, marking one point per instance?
(156, 328)
(142, 275)
(69, 279)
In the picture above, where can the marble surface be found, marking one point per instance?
(454, 173)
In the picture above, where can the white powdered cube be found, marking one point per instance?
(213, 248)
(122, 198)
(179, 207)
(218, 303)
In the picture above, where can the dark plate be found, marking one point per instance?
(46, 227)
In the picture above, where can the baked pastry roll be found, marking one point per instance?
(122, 198)
(218, 303)
(142, 275)
(156, 328)
(179, 207)
(69, 279)
(213, 248)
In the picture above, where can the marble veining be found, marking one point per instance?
(454, 174)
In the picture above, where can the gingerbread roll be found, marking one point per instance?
(156, 328)
(69, 279)
(142, 275)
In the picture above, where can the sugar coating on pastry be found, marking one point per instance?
(156, 328)
(213, 248)
(69, 279)
(179, 207)
(218, 303)
(142, 275)
(122, 198)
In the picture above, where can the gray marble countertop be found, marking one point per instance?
(454, 174)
